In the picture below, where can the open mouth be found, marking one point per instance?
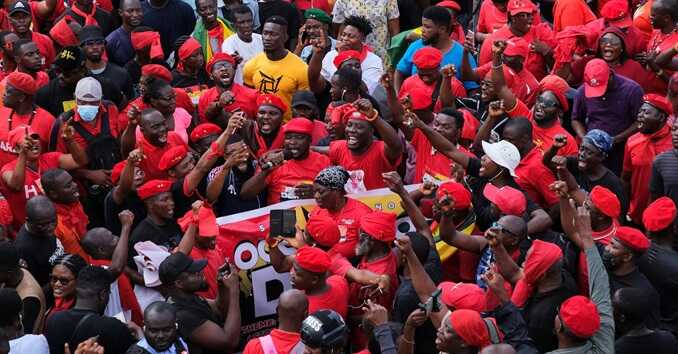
(352, 140)
(266, 128)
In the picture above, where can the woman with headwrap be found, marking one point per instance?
(189, 61)
(62, 282)
(465, 331)
(331, 198)
(612, 48)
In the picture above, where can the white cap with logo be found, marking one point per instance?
(88, 89)
(503, 154)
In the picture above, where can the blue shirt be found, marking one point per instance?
(453, 56)
(172, 21)
(119, 47)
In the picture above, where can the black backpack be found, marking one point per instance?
(103, 150)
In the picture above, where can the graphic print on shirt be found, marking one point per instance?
(356, 182)
(268, 83)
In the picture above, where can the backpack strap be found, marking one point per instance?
(298, 348)
(80, 325)
(492, 331)
(105, 128)
(267, 345)
(56, 129)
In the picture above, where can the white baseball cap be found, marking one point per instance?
(88, 89)
(503, 154)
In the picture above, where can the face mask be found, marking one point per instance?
(609, 261)
(88, 113)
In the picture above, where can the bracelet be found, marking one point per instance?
(372, 117)
(660, 72)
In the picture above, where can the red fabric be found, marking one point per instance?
(458, 296)
(414, 84)
(659, 215)
(641, 19)
(543, 138)
(245, 99)
(603, 238)
(535, 63)
(632, 238)
(172, 157)
(335, 298)
(658, 43)
(459, 195)
(261, 142)
(427, 58)
(471, 328)
(207, 222)
(431, 161)
(490, 18)
(204, 130)
(186, 50)
(515, 7)
(41, 124)
(299, 125)
(523, 84)
(660, 102)
(379, 225)
(639, 153)
(450, 4)
(183, 100)
(142, 40)
(153, 187)
(32, 185)
(605, 201)
(128, 298)
(319, 132)
(283, 341)
(5, 212)
(340, 265)
(558, 86)
(542, 256)
(154, 154)
(568, 13)
(215, 260)
(62, 33)
(89, 17)
(293, 172)
(348, 220)
(215, 58)
(471, 126)
(73, 216)
(517, 47)
(46, 48)
(634, 71)
(385, 265)
(323, 230)
(157, 71)
(117, 171)
(272, 100)
(535, 178)
(94, 128)
(365, 169)
(313, 259)
(304, 5)
(346, 55)
(580, 316)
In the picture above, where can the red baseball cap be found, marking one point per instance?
(517, 47)
(580, 316)
(596, 77)
(509, 200)
(616, 13)
(457, 192)
(515, 7)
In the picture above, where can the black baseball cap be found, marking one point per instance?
(304, 98)
(9, 257)
(70, 58)
(90, 33)
(176, 264)
(19, 6)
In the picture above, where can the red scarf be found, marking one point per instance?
(263, 148)
(149, 38)
(128, 299)
(73, 217)
(89, 17)
(646, 145)
(186, 50)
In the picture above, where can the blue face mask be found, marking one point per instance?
(88, 113)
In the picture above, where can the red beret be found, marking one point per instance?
(323, 230)
(153, 188)
(471, 125)
(207, 221)
(203, 130)
(313, 259)
(660, 102)
(517, 47)
(217, 58)
(157, 71)
(272, 100)
(17, 135)
(558, 86)
(457, 192)
(344, 56)
(460, 296)
(117, 171)
(632, 238)
(379, 225)
(172, 157)
(299, 125)
(449, 4)
(580, 316)
(22, 82)
(659, 215)
(606, 201)
(509, 200)
(427, 58)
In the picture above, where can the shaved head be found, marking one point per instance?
(498, 349)
(293, 305)
(39, 206)
(515, 225)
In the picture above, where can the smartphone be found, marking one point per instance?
(282, 223)
(473, 38)
(304, 36)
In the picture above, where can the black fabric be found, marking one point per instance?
(180, 80)
(656, 342)
(112, 209)
(168, 235)
(660, 266)
(192, 312)
(182, 202)
(664, 180)
(637, 280)
(609, 181)
(229, 201)
(285, 10)
(113, 334)
(38, 252)
(119, 77)
(105, 20)
(52, 96)
(405, 302)
(512, 324)
(31, 312)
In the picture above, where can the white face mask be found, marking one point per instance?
(88, 112)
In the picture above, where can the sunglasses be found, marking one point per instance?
(496, 225)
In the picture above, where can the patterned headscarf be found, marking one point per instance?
(600, 139)
(333, 177)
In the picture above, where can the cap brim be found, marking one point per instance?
(626, 22)
(491, 152)
(197, 265)
(597, 91)
(490, 192)
(303, 103)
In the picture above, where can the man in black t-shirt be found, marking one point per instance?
(209, 326)
(93, 45)
(85, 319)
(36, 243)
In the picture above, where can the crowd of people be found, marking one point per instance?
(533, 148)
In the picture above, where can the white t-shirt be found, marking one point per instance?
(29, 344)
(246, 50)
(372, 68)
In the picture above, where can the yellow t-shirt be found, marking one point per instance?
(283, 77)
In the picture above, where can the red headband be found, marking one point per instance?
(149, 38)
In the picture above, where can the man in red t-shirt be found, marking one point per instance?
(292, 170)
(364, 158)
(29, 61)
(20, 109)
(292, 309)
(21, 18)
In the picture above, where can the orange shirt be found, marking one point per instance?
(71, 227)
(568, 13)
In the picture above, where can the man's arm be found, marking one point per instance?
(77, 157)
(316, 81)
(450, 235)
(209, 335)
(120, 254)
(393, 147)
(128, 138)
(126, 181)
(505, 264)
(395, 184)
(441, 144)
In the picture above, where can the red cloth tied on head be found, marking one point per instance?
(659, 102)
(351, 112)
(299, 125)
(203, 130)
(188, 48)
(471, 125)
(337, 113)
(449, 4)
(172, 157)
(272, 100)
(462, 296)
(427, 58)
(217, 58)
(17, 135)
(346, 55)
(313, 259)
(117, 171)
(89, 17)
(558, 86)
(323, 230)
(156, 70)
(153, 188)
(517, 47)
(460, 196)
(142, 40)
(22, 82)
(580, 316)
(632, 238)
(379, 225)
(471, 328)
(659, 215)
(63, 34)
(606, 201)
(542, 256)
(207, 222)
(509, 76)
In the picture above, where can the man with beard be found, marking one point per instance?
(653, 138)
(276, 71)
(209, 326)
(217, 103)
(620, 258)
(160, 331)
(436, 29)
(93, 45)
(316, 25)
(20, 17)
(119, 42)
(292, 169)
(246, 44)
